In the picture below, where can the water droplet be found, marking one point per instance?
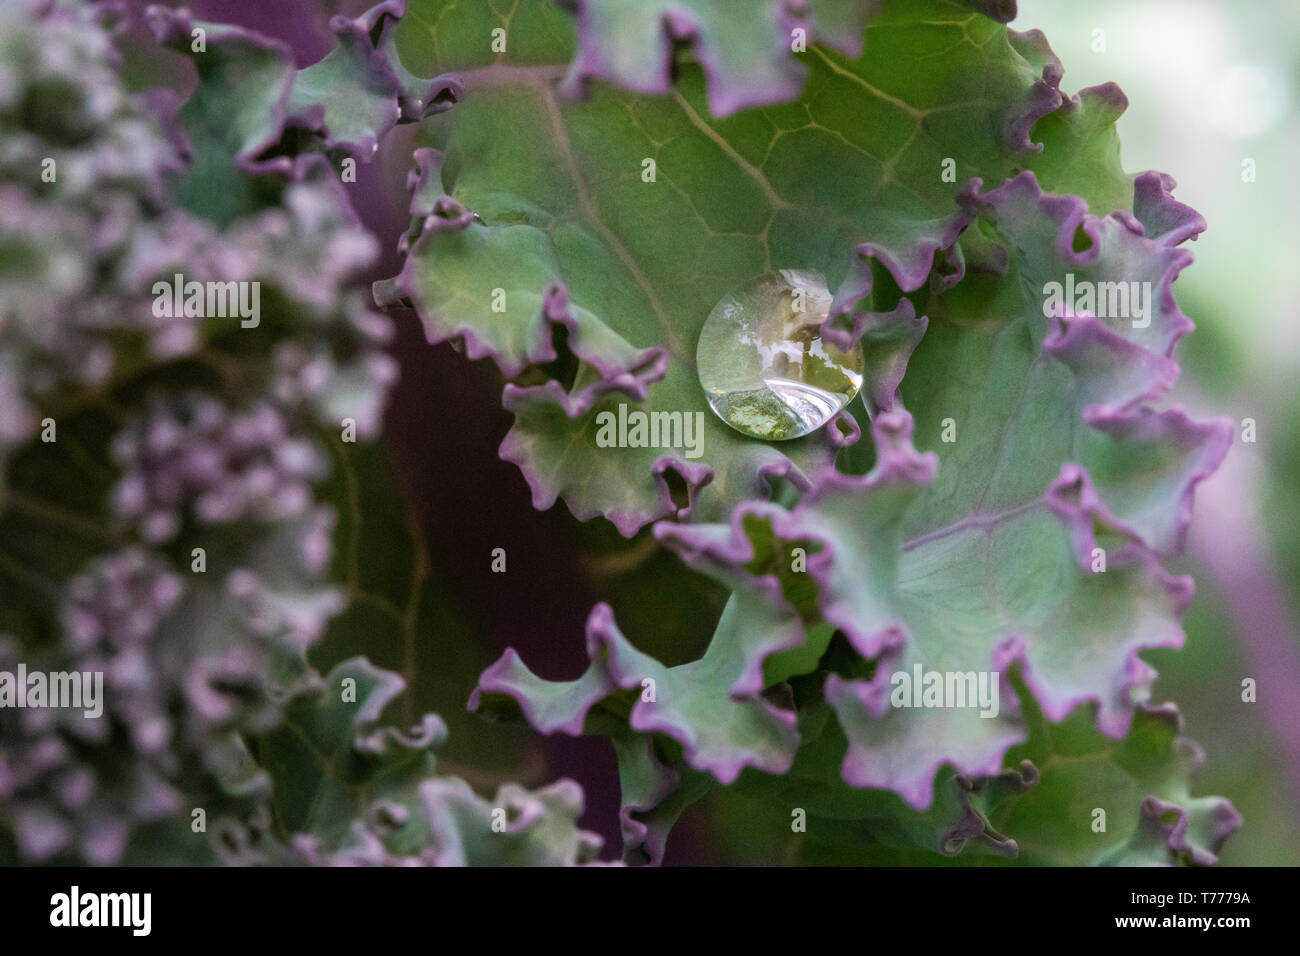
(763, 364)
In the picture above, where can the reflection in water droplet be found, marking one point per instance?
(763, 364)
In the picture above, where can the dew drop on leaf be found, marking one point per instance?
(763, 364)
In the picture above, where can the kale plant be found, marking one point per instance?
(991, 517)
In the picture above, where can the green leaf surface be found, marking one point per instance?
(559, 203)
(1026, 540)
(348, 790)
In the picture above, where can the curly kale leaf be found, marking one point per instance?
(1023, 544)
(540, 238)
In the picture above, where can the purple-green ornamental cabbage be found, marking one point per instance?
(937, 601)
